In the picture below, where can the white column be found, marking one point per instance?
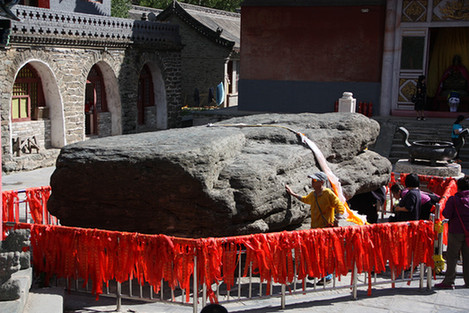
(234, 83)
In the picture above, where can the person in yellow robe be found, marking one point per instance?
(325, 204)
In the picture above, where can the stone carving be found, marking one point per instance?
(5, 9)
(212, 181)
(12, 259)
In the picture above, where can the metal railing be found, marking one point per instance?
(251, 287)
(248, 283)
(19, 210)
(248, 280)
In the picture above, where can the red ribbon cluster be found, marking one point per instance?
(36, 198)
(10, 206)
(105, 255)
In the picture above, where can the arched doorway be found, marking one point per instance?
(95, 100)
(146, 96)
(36, 107)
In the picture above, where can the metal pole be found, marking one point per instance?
(161, 290)
(130, 287)
(118, 297)
(422, 269)
(250, 280)
(195, 292)
(355, 279)
(429, 277)
(282, 301)
(239, 275)
(204, 294)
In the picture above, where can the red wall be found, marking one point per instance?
(325, 44)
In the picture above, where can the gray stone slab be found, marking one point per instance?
(24, 277)
(443, 170)
(48, 300)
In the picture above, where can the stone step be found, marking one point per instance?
(23, 278)
(42, 300)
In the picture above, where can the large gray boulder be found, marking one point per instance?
(212, 181)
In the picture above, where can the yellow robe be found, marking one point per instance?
(328, 202)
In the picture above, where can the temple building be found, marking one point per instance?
(210, 56)
(300, 56)
(70, 72)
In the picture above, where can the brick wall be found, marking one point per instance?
(203, 62)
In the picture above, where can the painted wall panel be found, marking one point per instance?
(312, 43)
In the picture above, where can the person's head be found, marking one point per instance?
(459, 119)
(396, 190)
(318, 180)
(463, 183)
(214, 308)
(412, 181)
(457, 59)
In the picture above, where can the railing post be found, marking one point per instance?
(195, 293)
(282, 301)
(118, 297)
(429, 277)
(355, 279)
(239, 274)
(422, 269)
(204, 294)
(250, 280)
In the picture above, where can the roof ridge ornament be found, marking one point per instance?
(5, 9)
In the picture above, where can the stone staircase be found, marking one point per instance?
(391, 141)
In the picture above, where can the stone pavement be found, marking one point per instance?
(403, 298)
(22, 180)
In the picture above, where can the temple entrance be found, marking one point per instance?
(95, 101)
(448, 76)
(442, 55)
(90, 110)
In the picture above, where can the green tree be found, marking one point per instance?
(120, 8)
(158, 4)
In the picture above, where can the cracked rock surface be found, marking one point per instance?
(212, 181)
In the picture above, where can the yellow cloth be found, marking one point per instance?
(328, 202)
(448, 42)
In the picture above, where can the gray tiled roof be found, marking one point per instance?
(207, 21)
(230, 22)
(136, 11)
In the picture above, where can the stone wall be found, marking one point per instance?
(64, 71)
(203, 62)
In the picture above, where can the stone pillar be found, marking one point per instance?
(347, 103)
(389, 51)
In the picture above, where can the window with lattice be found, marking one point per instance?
(27, 95)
